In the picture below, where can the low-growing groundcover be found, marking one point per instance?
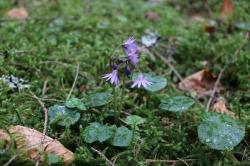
(138, 116)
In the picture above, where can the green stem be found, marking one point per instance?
(122, 94)
(118, 112)
(115, 99)
(133, 134)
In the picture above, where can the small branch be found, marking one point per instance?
(177, 75)
(167, 161)
(103, 156)
(234, 58)
(183, 161)
(45, 110)
(74, 83)
(20, 153)
(44, 87)
(118, 155)
(214, 89)
(37, 163)
(11, 160)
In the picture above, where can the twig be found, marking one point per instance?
(45, 115)
(37, 163)
(244, 153)
(177, 74)
(10, 160)
(234, 58)
(103, 156)
(166, 161)
(183, 161)
(214, 89)
(117, 156)
(44, 87)
(20, 153)
(74, 83)
(49, 99)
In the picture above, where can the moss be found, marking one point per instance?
(59, 34)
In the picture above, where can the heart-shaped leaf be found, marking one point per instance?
(99, 99)
(75, 103)
(176, 104)
(62, 116)
(157, 82)
(123, 137)
(243, 26)
(91, 132)
(134, 120)
(104, 133)
(220, 132)
(97, 132)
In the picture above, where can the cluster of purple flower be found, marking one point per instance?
(132, 58)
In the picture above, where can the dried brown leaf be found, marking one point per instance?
(4, 139)
(210, 26)
(198, 18)
(226, 9)
(152, 16)
(220, 107)
(18, 13)
(201, 82)
(31, 140)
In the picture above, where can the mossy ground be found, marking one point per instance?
(60, 34)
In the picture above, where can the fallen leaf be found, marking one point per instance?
(4, 139)
(210, 26)
(226, 9)
(15, 83)
(220, 107)
(31, 140)
(150, 38)
(18, 13)
(198, 18)
(201, 82)
(152, 16)
(82, 88)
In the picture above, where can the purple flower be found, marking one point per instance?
(133, 57)
(113, 77)
(131, 49)
(140, 81)
(128, 70)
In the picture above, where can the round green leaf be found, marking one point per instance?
(97, 132)
(134, 120)
(62, 116)
(91, 132)
(176, 104)
(220, 131)
(123, 137)
(157, 82)
(243, 26)
(75, 103)
(104, 133)
(99, 99)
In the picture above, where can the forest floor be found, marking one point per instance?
(63, 49)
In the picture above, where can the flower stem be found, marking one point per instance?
(121, 99)
(133, 134)
(122, 94)
(115, 99)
